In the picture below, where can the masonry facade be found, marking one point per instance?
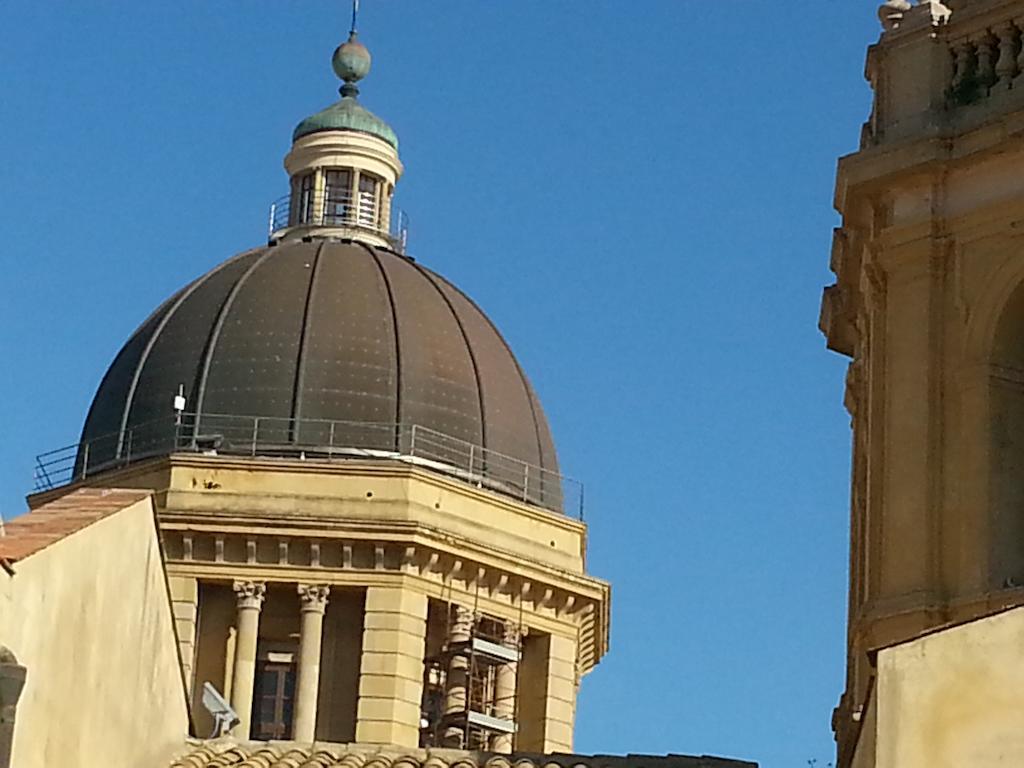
(929, 305)
(335, 602)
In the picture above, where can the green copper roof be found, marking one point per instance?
(346, 115)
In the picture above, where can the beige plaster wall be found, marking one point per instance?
(953, 698)
(90, 618)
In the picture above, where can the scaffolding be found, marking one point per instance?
(467, 702)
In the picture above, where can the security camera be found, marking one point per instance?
(224, 717)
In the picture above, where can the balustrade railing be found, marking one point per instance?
(312, 439)
(985, 61)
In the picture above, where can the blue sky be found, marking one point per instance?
(639, 194)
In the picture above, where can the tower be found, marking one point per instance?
(366, 532)
(929, 305)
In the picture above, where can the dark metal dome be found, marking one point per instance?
(333, 346)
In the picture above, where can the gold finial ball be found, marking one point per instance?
(351, 60)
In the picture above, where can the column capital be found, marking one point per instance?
(512, 634)
(462, 621)
(314, 597)
(250, 594)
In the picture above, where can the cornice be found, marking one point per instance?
(564, 603)
(980, 133)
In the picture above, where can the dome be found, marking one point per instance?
(346, 115)
(331, 347)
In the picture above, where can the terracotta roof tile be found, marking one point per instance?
(228, 752)
(57, 519)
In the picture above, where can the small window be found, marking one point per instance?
(274, 700)
(302, 200)
(338, 207)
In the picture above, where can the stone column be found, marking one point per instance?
(250, 596)
(505, 691)
(456, 683)
(314, 603)
(391, 667)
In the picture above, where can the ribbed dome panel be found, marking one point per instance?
(349, 360)
(437, 378)
(502, 390)
(103, 425)
(176, 352)
(254, 352)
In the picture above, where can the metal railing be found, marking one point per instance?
(312, 439)
(363, 211)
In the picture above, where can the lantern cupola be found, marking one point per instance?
(343, 167)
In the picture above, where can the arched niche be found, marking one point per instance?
(1006, 433)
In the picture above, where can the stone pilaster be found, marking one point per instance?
(185, 604)
(250, 596)
(547, 703)
(313, 599)
(391, 668)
